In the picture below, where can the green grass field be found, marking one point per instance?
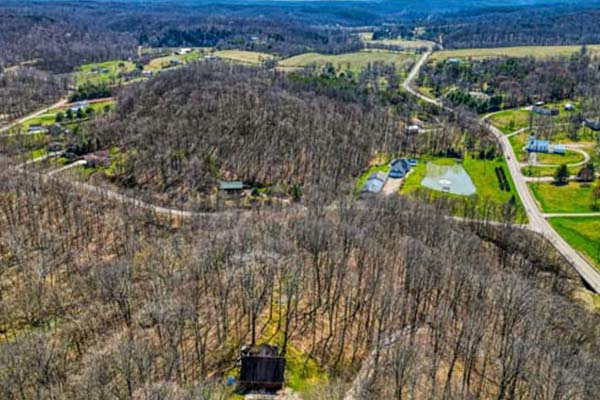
(85, 73)
(349, 61)
(509, 121)
(159, 63)
(367, 37)
(244, 57)
(50, 117)
(543, 171)
(570, 198)
(570, 157)
(581, 233)
(519, 51)
(482, 173)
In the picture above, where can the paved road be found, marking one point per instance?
(571, 215)
(537, 220)
(33, 115)
(408, 83)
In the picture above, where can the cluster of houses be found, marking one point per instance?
(399, 168)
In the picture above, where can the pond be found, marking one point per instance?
(448, 178)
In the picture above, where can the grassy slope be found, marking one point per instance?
(156, 64)
(509, 121)
(573, 197)
(246, 57)
(482, 174)
(84, 73)
(581, 233)
(355, 61)
(367, 37)
(520, 51)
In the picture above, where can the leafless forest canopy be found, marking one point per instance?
(118, 304)
(386, 298)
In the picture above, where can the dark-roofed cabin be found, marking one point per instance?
(262, 369)
(400, 168)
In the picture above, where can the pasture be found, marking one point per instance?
(568, 198)
(517, 52)
(244, 57)
(103, 73)
(367, 38)
(581, 233)
(354, 62)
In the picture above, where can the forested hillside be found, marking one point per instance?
(100, 301)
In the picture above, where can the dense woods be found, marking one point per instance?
(100, 301)
(103, 296)
(24, 89)
(511, 82)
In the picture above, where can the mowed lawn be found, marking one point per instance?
(158, 63)
(509, 121)
(482, 173)
(88, 72)
(570, 157)
(570, 198)
(245, 57)
(518, 51)
(367, 37)
(349, 61)
(581, 233)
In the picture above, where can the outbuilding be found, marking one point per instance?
(374, 183)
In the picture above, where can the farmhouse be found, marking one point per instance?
(400, 168)
(374, 183)
(544, 146)
(545, 111)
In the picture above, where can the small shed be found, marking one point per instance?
(545, 111)
(569, 107)
(231, 189)
(262, 368)
(586, 174)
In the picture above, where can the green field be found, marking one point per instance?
(570, 157)
(482, 173)
(367, 37)
(349, 61)
(85, 73)
(244, 57)
(581, 233)
(519, 51)
(509, 121)
(50, 117)
(159, 63)
(543, 171)
(570, 198)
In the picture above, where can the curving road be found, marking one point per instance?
(537, 220)
(60, 103)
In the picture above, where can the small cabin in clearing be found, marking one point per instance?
(262, 369)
